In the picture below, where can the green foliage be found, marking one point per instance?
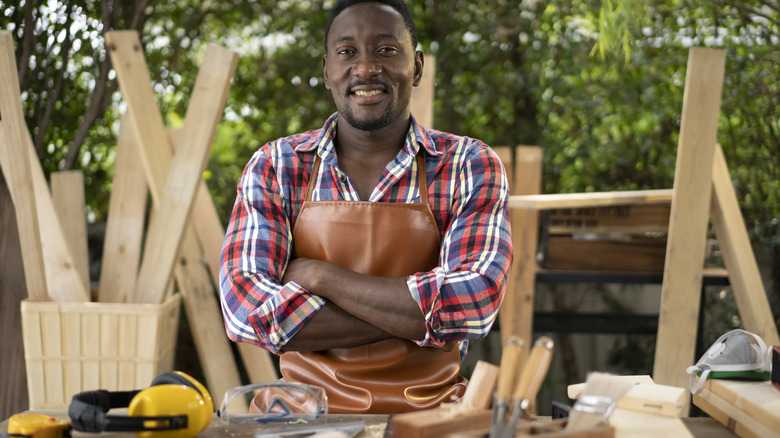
(508, 72)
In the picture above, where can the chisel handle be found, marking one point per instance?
(535, 370)
(511, 361)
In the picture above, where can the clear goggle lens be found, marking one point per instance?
(278, 401)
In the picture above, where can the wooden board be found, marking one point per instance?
(625, 219)
(192, 275)
(633, 424)
(681, 289)
(67, 187)
(13, 391)
(744, 276)
(759, 399)
(423, 94)
(203, 114)
(597, 199)
(628, 253)
(17, 170)
(730, 403)
(516, 314)
(745, 423)
(126, 217)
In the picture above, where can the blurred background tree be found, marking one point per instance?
(597, 83)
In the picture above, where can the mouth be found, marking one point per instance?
(367, 93)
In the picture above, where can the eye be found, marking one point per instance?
(388, 50)
(345, 52)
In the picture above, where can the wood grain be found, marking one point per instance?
(191, 273)
(67, 188)
(16, 167)
(744, 276)
(125, 224)
(681, 289)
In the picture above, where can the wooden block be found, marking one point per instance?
(470, 413)
(543, 429)
(744, 276)
(126, 217)
(589, 200)
(67, 187)
(663, 400)
(423, 94)
(482, 385)
(438, 422)
(759, 399)
(16, 167)
(681, 289)
(192, 276)
(633, 424)
(516, 314)
(573, 391)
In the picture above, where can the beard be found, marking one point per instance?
(374, 124)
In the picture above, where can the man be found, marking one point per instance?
(366, 251)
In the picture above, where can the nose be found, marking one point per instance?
(366, 65)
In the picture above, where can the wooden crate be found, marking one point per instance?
(614, 238)
(72, 347)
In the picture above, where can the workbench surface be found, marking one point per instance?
(376, 427)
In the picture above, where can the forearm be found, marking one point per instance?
(332, 327)
(384, 303)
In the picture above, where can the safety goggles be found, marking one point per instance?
(269, 402)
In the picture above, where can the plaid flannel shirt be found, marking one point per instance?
(467, 190)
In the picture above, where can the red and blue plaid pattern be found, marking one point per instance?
(467, 191)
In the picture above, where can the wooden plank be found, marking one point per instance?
(126, 216)
(725, 419)
(629, 253)
(67, 187)
(192, 276)
(257, 362)
(516, 314)
(203, 114)
(739, 416)
(596, 199)
(625, 219)
(13, 392)
(744, 276)
(15, 164)
(681, 289)
(759, 399)
(423, 94)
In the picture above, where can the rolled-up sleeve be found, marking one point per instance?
(256, 307)
(461, 297)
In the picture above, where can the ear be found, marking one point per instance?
(418, 67)
(325, 71)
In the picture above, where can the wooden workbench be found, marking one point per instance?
(376, 426)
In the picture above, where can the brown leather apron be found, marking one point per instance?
(381, 239)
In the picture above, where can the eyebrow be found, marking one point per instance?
(379, 36)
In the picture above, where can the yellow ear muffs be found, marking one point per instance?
(175, 406)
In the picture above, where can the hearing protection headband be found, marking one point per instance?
(88, 414)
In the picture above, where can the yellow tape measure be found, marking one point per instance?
(38, 426)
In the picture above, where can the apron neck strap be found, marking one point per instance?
(422, 178)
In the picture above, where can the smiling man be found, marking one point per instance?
(367, 253)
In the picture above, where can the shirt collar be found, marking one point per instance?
(417, 137)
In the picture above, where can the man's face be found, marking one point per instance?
(371, 66)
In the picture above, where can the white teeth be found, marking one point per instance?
(367, 93)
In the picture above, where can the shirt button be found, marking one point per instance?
(343, 179)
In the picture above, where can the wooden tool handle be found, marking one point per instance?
(534, 370)
(511, 361)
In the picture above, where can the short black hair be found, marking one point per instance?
(398, 5)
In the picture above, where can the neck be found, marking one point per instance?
(380, 145)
